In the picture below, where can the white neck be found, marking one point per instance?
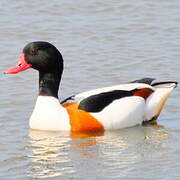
(49, 115)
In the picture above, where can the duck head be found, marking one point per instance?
(45, 58)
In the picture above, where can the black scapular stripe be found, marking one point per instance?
(98, 102)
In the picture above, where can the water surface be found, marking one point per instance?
(103, 43)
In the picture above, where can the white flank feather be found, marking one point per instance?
(122, 113)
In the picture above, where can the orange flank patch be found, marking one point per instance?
(82, 121)
(145, 92)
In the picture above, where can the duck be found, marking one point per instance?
(108, 108)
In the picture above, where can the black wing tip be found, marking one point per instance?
(144, 80)
(165, 82)
(150, 80)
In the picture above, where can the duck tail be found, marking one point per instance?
(157, 100)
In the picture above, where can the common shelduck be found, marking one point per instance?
(108, 108)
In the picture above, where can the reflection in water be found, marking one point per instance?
(61, 153)
(49, 149)
(52, 151)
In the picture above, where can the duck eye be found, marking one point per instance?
(33, 52)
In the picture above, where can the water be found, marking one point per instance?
(103, 43)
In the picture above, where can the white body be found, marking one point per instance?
(50, 115)
(122, 113)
